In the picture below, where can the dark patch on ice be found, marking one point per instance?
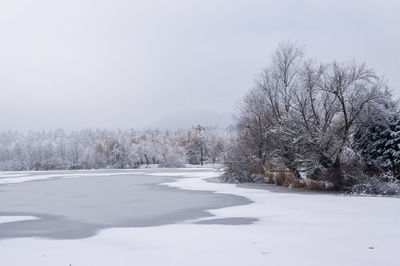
(80, 207)
(230, 221)
(46, 226)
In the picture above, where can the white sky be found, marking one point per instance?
(120, 64)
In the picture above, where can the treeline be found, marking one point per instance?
(332, 126)
(88, 149)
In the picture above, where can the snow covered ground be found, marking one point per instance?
(280, 227)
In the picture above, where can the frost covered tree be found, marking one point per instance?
(196, 141)
(378, 140)
(391, 152)
(303, 115)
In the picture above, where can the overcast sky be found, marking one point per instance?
(121, 64)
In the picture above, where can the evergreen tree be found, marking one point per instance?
(379, 143)
(390, 157)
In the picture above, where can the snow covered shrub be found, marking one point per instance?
(283, 178)
(173, 156)
(244, 170)
(318, 185)
(384, 184)
(287, 179)
(241, 171)
(241, 165)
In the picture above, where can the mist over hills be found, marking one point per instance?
(187, 119)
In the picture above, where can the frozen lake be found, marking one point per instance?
(76, 204)
(180, 217)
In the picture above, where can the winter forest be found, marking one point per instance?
(305, 124)
(94, 149)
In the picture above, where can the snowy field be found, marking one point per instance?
(236, 225)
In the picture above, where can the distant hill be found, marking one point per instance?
(192, 118)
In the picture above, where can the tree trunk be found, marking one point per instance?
(147, 160)
(201, 156)
(335, 175)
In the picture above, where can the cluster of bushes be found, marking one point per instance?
(320, 126)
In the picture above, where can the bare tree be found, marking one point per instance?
(304, 113)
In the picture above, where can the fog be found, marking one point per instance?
(122, 64)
